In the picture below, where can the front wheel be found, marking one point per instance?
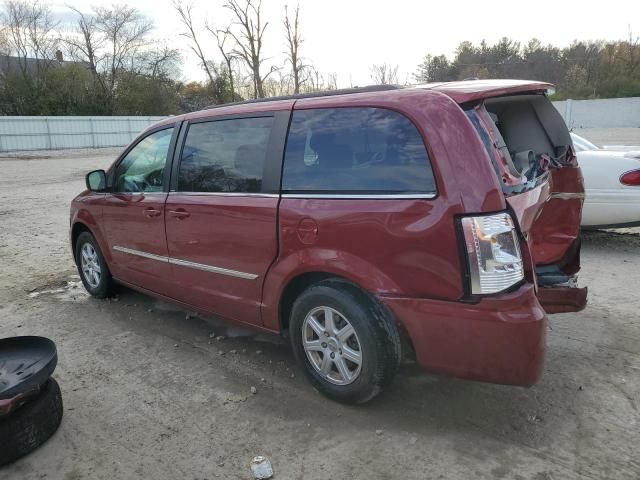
(346, 341)
(92, 268)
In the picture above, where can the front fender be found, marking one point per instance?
(85, 211)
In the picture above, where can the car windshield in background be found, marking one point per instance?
(582, 144)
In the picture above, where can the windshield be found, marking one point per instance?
(582, 144)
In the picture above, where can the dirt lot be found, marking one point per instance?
(149, 394)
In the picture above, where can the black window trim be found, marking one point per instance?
(359, 194)
(168, 163)
(271, 173)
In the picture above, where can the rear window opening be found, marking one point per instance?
(525, 136)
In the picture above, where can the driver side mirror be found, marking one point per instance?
(96, 181)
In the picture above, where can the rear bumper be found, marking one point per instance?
(499, 340)
(563, 299)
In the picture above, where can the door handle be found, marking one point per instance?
(180, 213)
(151, 212)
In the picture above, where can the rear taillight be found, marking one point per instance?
(631, 178)
(493, 253)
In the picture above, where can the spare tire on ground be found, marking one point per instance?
(31, 424)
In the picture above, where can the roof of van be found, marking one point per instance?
(461, 92)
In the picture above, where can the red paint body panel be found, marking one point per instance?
(500, 339)
(559, 224)
(136, 221)
(87, 211)
(563, 299)
(232, 232)
(528, 205)
(472, 90)
(402, 247)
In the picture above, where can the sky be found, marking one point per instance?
(347, 37)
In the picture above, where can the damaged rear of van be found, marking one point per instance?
(533, 156)
(522, 252)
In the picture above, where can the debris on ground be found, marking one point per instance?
(254, 390)
(261, 468)
(258, 352)
(534, 419)
(175, 345)
(219, 338)
(379, 432)
(234, 398)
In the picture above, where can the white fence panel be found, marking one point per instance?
(53, 133)
(601, 113)
(58, 133)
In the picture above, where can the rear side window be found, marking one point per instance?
(355, 150)
(225, 156)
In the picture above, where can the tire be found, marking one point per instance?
(32, 424)
(375, 336)
(105, 286)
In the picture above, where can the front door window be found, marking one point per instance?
(142, 170)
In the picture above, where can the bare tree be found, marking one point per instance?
(221, 37)
(125, 33)
(4, 43)
(384, 74)
(185, 13)
(86, 44)
(249, 37)
(160, 62)
(294, 40)
(30, 36)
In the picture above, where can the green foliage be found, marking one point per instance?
(582, 70)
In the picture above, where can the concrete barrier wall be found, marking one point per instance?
(604, 113)
(58, 133)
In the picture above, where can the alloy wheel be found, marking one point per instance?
(90, 265)
(332, 345)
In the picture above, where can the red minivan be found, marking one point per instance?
(446, 214)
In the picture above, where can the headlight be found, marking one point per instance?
(493, 253)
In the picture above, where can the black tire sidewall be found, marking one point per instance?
(31, 424)
(103, 289)
(379, 360)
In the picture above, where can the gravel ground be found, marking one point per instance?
(149, 394)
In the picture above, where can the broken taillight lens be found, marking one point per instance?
(493, 253)
(631, 178)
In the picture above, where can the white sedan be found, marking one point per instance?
(612, 185)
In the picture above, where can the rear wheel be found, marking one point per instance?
(346, 341)
(92, 268)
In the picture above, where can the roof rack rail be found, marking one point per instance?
(325, 93)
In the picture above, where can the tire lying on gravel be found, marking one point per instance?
(32, 424)
(346, 341)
